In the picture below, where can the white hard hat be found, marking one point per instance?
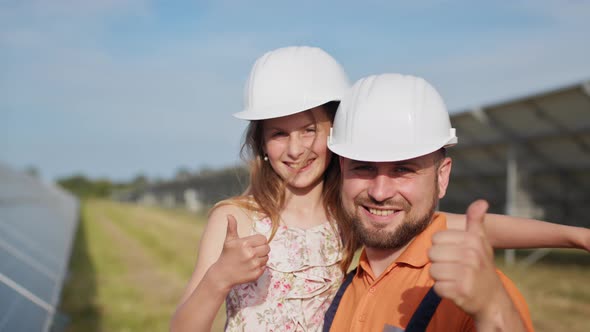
(390, 117)
(290, 80)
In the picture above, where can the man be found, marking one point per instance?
(391, 132)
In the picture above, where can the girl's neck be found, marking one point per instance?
(304, 207)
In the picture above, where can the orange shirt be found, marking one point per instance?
(370, 304)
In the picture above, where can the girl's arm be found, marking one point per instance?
(515, 232)
(224, 260)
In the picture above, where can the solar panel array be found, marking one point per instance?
(37, 227)
(528, 157)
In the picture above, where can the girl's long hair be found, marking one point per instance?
(265, 194)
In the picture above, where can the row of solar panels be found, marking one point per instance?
(38, 222)
(529, 156)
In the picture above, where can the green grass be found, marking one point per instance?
(131, 263)
(556, 290)
(129, 267)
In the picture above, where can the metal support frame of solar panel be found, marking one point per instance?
(529, 157)
(37, 226)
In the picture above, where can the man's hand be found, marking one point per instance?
(242, 259)
(464, 271)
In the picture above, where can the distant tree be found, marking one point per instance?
(102, 188)
(83, 187)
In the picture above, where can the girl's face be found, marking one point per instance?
(296, 146)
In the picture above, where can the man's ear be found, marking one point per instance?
(444, 173)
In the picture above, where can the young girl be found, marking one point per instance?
(274, 253)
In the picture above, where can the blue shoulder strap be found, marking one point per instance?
(418, 323)
(422, 316)
(329, 317)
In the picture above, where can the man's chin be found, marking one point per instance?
(378, 236)
(383, 241)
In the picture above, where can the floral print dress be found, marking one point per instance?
(300, 280)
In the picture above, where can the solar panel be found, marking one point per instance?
(37, 227)
(19, 313)
(545, 136)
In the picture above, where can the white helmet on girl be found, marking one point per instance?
(290, 80)
(391, 117)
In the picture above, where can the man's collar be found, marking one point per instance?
(416, 254)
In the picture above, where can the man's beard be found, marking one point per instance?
(410, 226)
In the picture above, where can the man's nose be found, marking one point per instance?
(381, 188)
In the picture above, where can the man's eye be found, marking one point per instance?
(402, 169)
(279, 134)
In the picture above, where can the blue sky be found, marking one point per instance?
(115, 88)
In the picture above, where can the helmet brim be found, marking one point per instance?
(281, 110)
(387, 152)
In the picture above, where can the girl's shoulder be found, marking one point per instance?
(240, 208)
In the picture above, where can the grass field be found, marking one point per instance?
(556, 290)
(130, 265)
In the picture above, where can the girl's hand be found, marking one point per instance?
(242, 259)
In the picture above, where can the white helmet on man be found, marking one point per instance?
(390, 117)
(290, 80)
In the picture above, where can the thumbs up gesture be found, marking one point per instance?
(242, 259)
(463, 265)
